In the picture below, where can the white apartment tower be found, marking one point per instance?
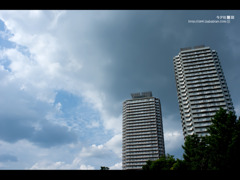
(142, 130)
(201, 88)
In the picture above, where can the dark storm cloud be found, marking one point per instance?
(142, 44)
(120, 52)
(139, 47)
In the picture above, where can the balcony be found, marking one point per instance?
(199, 66)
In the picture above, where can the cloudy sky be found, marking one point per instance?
(65, 74)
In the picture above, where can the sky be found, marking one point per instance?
(65, 73)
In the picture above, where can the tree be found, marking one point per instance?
(147, 165)
(179, 165)
(163, 163)
(220, 150)
(224, 141)
(104, 168)
(217, 151)
(195, 153)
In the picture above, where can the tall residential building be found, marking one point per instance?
(201, 88)
(142, 130)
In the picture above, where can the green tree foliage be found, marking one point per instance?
(179, 165)
(195, 153)
(163, 163)
(217, 151)
(224, 141)
(220, 150)
(104, 168)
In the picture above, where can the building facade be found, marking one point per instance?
(201, 88)
(142, 130)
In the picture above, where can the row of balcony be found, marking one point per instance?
(152, 135)
(145, 111)
(206, 97)
(196, 52)
(143, 107)
(140, 105)
(141, 156)
(197, 111)
(205, 84)
(138, 146)
(202, 124)
(201, 77)
(141, 115)
(139, 153)
(204, 88)
(132, 122)
(211, 70)
(139, 101)
(141, 118)
(128, 127)
(209, 64)
(141, 123)
(197, 96)
(140, 140)
(134, 165)
(203, 80)
(209, 104)
(139, 133)
(207, 101)
(195, 57)
(190, 72)
(126, 143)
(145, 149)
(141, 130)
(135, 161)
(139, 127)
(192, 67)
(204, 92)
(152, 121)
(209, 114)
(193, 62)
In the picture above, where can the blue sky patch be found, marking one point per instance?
(4, 37)
(80, 116)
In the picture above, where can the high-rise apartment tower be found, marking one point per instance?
(142, 130)
(201, 88)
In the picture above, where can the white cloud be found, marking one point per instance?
(61, 165)
(69, 51)
(93, 124)
(116, 166)
(173, 140)
(58, 106)
(237, 110)
(23, 116)
(173, 137)
(86, 167)
(98, 155)
(30, 156)
(115, 145)
(51, 65)
(47, 165)
(26, 153)
(89, 157)
(96, 151)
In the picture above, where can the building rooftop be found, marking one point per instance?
(141, 95)
(189, 48)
